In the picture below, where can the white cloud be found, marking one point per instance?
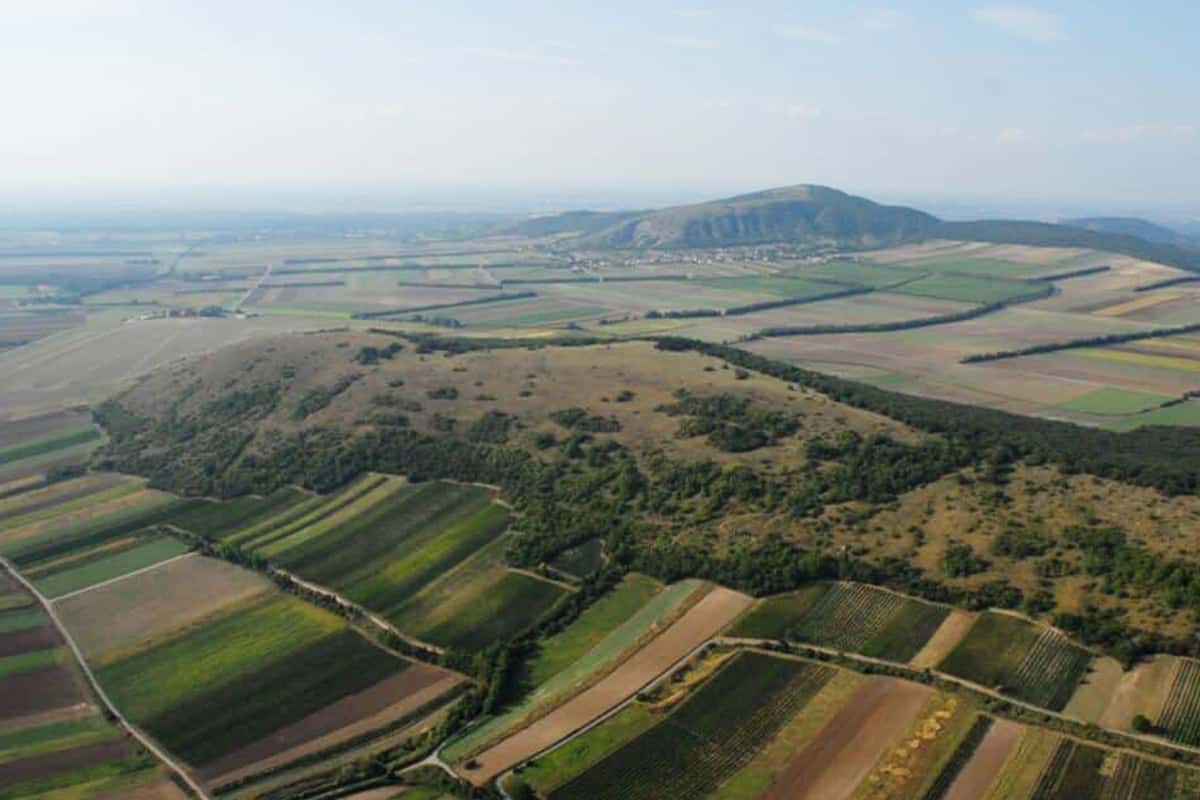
(882, 19)
(690, 42)
(1013, 136)
(1029, 23)
(803, 34)
(1137, 133)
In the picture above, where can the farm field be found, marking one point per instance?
(853, 617)
(568, 661)
(1029, 662)
(53, 738)
(709, 737)
(701, 621)
(88, 363)
(210, 690)
(425, 557)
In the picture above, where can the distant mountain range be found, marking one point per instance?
(819, 215)
(1133, 226)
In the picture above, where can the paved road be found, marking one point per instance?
(145, 740)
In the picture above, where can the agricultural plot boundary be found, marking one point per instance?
(1076, 344)
(94, 684)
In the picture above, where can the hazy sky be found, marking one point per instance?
(1092, 103)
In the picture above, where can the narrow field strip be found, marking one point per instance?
(699, 624)
(146, 556)
(119, 578)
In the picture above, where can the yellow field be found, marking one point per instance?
(1177, 345)
(1138, 304)
(1143, 359)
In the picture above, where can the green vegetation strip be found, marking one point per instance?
(54, 736)
(22, 619)
(57, 542)
(93, 499)
(216, 520)
(20, 452)
(549, 771)
(30, 662)
(145, 555)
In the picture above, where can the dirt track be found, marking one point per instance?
(701, 622)
(842, 755)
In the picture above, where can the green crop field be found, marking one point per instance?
(211, 689)
(48, 737)
(1184, 414)
(768, 285)
(193, 661)
(22, 619)
(547, 772)
(267, 534)
(326, 521)
(216, 520)
(33, 513)
(1110, 400)
(32, 661)
(253, 704)
(382, 557)
(984, 267)
(1034, 664)
(965, 288)
(149, 552)
(601, 618)
(489, 611)
(709, 737)
(851, 617)
(49, 445)
(861, 272)
(595, 660)
(58, 541)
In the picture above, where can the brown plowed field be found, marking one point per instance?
(14, 643)
(981, 768)
(150, 603)
(63, 493)
(944, 639)
(716, 610)
(844, 752)
(385, 702)
(34, 692)
(24, 430)
(39, 766)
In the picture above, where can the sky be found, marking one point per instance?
(374, 104)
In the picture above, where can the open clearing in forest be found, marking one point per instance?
(702, 621)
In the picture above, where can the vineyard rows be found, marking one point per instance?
(1181, 714)
(1050, 671)
(848, 617)
(715, 733)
